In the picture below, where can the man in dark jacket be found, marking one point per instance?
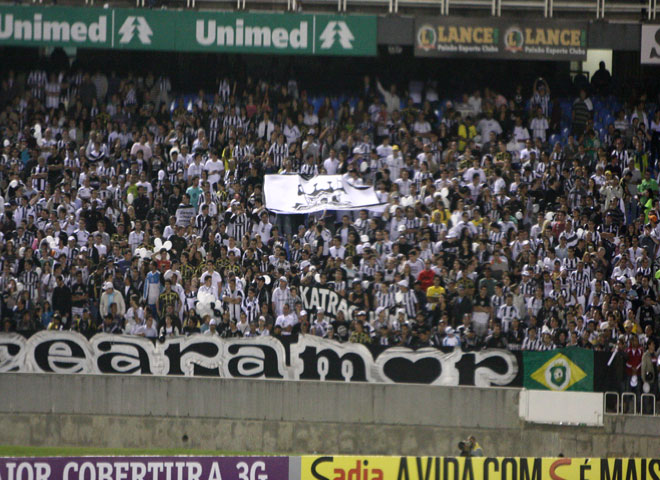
(62, 300)
(496, 338)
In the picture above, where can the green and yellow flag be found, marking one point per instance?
(559, 370)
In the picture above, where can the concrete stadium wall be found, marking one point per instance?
(292, 417)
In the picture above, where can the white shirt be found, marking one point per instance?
(384, 151)
(539, 127)
(404, 186)
(421, 128)
(395, 164)
(486, 126)
(215, 279)
(331, 165)
(286, 321)
(263, 229)
(214, 169)
(520, 133)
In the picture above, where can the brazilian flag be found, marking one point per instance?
(559, 370)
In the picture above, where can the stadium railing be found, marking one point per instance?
(598, 8)
(629, 403)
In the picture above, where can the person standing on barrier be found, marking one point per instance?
(633, 369)
(649, 375)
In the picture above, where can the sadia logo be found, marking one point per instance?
(559, 373)
(426, 38)
(513, 40)
(131, 27)
(336, 31)
(361, 470)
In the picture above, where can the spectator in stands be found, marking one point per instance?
(582, 108)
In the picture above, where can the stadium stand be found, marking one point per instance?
(515, 219)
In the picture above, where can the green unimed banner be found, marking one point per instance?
(189, 31)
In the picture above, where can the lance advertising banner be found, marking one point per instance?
(294, 194)
(123, 28)
(500, 38)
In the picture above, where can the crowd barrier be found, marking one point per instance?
(328, 468)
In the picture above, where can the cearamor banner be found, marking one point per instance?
(311, 358)
(123, 28)
(514, 39)
(136, 468)
(294, 194)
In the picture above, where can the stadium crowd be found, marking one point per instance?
(505, 227)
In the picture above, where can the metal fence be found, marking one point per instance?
(629, 403)
(589, 9)
(584, 9)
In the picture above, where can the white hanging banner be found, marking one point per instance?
(294, 194)
(650, 50)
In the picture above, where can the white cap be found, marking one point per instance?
(107, 285)
(212, 322)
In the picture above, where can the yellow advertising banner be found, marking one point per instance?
(477, 468)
